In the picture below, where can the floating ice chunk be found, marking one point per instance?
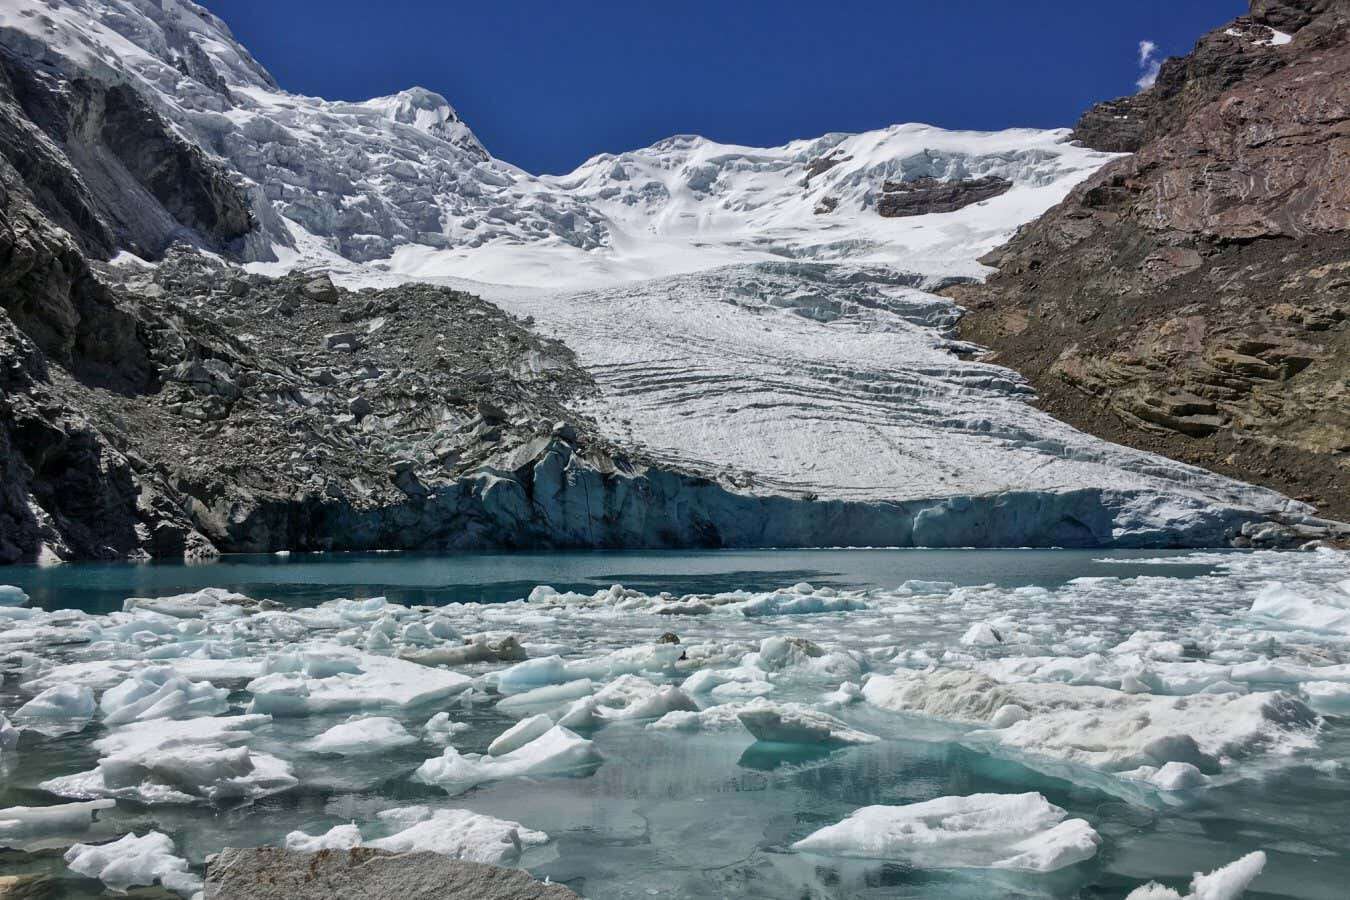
(532, 673)
(797, 657)
(741, 690)
(549, 695)
(628, 661)
(20, 822)
(792, 723)
(339, 837)
(798, 602)
(519, 734)
(982, 634)
(723, 717)
(440, 730)
(1325, 608)
(378, 682)
(461, 834)
(1227, 883)
(358, 737)
(377, 640)
(846, 694)
(63, 709)
(558, 751)
(1173, 776)
(480, 650)
(1007, 715)
(159, 692)
(1329, 697)
(1002, 831)
(1104, 728)
(164, 761)
(194, 605)
(134, 860)
(9, 738)
(12, 596)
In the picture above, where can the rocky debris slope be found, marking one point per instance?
(262, 872)
(1192, 299)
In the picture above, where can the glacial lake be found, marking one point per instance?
(304, 579)
(697, 807)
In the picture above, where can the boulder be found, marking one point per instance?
(262, 873)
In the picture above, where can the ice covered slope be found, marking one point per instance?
(747, 312)
(404, 176)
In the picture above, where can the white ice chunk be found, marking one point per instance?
(519, 734)
(1002, 831)
(133, 860)
(1227, 883)
(440, 730)
(549, 695)
(378, 682)
(164, 761)
(461, 834)
(192, 605)
(19, 822)
(796, 603)
(361, 736)
(558, 751)
(63, 709)
(339, 837)
(12, 596)
(1329, 697)
(1100, 727)
(160, 693)
(792, 723)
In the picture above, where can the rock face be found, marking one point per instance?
(104, 165)
(923, 196)
(1192, 299)
(264, 872)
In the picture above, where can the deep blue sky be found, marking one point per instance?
(547, 83)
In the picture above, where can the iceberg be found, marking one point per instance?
(557, 751)
(1000, 831)
(361, 736)
(1227, 883)
(133, 860)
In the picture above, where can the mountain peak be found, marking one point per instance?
(429, 112)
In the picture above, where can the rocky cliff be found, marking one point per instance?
(1192, 299)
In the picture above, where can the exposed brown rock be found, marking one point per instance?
(1192, 299)
(923, 196)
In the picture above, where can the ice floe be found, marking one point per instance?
(557, 751)
(1226, 883)
(1000, 831)
(457, 833)
(131, 860)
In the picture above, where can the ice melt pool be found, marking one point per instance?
(1097, 720)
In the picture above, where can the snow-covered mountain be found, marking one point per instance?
(748, 314)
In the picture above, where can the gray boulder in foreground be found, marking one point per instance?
(262, 873)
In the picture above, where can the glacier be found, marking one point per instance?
(756, 329)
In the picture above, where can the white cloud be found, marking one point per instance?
(1149, 64)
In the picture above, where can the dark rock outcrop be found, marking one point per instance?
(923, 196)
(105, 166)
(1192, 299)
(262, 873)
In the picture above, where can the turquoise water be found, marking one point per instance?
(715, 814)
(307, 579)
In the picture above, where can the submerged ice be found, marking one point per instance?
(480, 730)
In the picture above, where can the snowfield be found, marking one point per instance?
(747, 312)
